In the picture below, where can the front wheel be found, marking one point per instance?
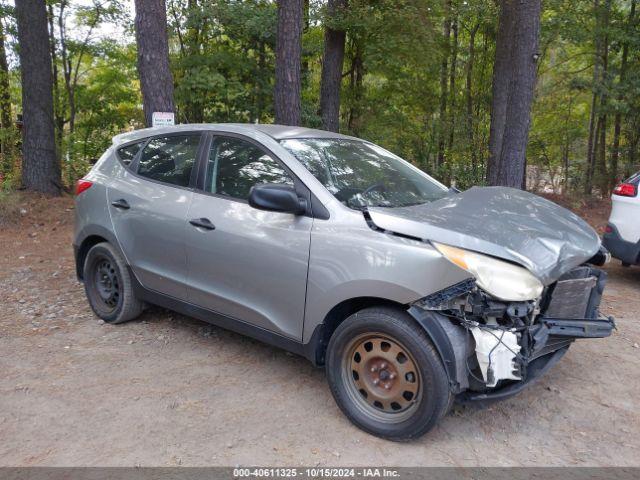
(386, 375)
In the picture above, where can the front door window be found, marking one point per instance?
(236, 165)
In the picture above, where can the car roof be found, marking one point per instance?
(277, 132)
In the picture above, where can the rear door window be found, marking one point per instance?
(169, 159)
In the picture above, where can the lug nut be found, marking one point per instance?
(384, 365)
(392, 376)
(376, 381)
(387, 386)
(374, 369)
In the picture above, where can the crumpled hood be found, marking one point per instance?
(507, 223)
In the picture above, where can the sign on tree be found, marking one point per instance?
(163, 119)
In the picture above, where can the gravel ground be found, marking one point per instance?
(168, 390)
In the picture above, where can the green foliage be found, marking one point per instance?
(224, 67)
(98, 78)
(108, 100)
(222, 58)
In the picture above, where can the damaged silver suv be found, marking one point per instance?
(410, 295)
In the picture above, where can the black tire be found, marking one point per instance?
(108, 285)
(418, 408)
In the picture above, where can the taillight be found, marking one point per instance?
(625, 190)
(82, 185)
(608, 229)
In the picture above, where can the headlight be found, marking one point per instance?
(501, 279)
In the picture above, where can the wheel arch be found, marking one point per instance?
(449, 340)
(86, 239)
(317, 346)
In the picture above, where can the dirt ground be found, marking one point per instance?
(168, 390)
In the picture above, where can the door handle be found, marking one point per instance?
(121, 203)
(202, 223)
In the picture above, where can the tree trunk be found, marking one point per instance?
(58, 112)
(40, 168)
(286, 94)
(565, 167)
(469, 95)
(6, 139)
(356, 83)
(191, 45)
(601, 152)
(597, 65)
(596, 144)
(332, 62)
(588, 182)
(500, 85)
(259, 88)
(452, 84)
(601, 164)
(156, 81)
(444, 70)
(66, 67)
(481, 135)
(615, 154)
(632, 152)
(521, 72)
(304, 59)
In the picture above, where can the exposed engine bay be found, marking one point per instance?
(499, 345)
(496, 355)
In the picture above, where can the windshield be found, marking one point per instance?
(361, 174)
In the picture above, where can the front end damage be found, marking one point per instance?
(493, 349)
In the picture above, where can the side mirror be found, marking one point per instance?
(277, 198)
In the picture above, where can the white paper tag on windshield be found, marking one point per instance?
(163, 119)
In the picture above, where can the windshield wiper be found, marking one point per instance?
(390, 205)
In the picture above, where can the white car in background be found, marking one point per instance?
(622, 234)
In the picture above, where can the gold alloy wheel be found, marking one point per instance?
(381, 377)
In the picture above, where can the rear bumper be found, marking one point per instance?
(627, 252)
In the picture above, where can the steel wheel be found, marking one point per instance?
(381, 377)
(106, 283)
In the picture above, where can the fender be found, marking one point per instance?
(451, 342)
(80, 244)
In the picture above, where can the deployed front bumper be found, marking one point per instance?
(535, 370)
(561, 333)
(567, 311)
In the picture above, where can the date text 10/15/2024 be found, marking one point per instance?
(316, 472)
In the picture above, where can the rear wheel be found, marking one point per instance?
(108, 285)
(385, 374)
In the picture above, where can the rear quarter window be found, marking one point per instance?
(127, 153)
(169, 159)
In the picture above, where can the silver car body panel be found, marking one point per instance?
(285, 273)
(252, 267)
(350, 260)
(92, 215)
(151, 233)
(503, 222)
